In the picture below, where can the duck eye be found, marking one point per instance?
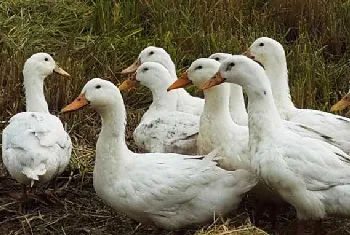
(229, 66)
(217, 59)
(198, 67)
(151, 53)
(261, 44)
(46, 59)
(98, 86)
(52, 54)
(145, 69)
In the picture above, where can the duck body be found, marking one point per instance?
(217, 129)
(302, 177)
(35, 146)
(310, 174)
(168, 132)
(163, 128)
(191, 193)
(170, 191)
(271, 54)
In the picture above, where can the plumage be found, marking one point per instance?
(35, 146)
(271, 54)
(185, 102)
(171, 191)
(237, 108)
(163, 128)
(216, 126)
(310, 174)
(217, 129)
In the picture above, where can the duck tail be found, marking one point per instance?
(33, 174)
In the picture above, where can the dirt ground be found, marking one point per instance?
(69, 205)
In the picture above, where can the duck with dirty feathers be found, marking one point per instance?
(311, 175)
(35, 146)
(271, 55)
(168, 190)
(185, 102)
(162, 128)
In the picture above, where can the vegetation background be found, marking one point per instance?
(92, 38)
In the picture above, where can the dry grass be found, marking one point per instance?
(98, 38)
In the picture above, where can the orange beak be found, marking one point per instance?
(214, 81)
(132, 68)
(248, 54)
(78, 103)
(60, 71)
(341, 104)
(181, 82)
(129, 84)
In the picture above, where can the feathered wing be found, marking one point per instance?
(34, 145)
(184, 190)
(168, 132)
(334, 126)
(306, 172)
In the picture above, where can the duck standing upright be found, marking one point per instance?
(168, 190)
(271, 55)
(35, 146)
(310, 174)
(162, 128)
(217, 130)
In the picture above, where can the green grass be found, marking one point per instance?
(93, 38)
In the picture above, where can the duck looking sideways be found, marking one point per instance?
(162, 129)
(185, 102)
(271, 55)
(310, 174)
(168, 190)
(35, 146)
(217, 129)
(237, 108)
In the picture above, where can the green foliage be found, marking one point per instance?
(98, 38)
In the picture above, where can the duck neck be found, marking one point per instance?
(163, 100)
(264, 118)
(111, 147)
(278, 75)
(217, 103)
(237, 105)
(34, 91)
(170, 66)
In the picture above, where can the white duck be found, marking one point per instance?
(162, 129)
(311, 175)
(35, 146)
(185, 103)
(217, 129)
(216, 126)
(168, 190)
(271, 55)
(237, 108)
